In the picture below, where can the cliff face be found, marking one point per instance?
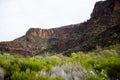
(43, 33)
(117, 5)
(98, 30)
(50, 33)
(103, 8)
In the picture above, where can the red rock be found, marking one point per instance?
(66, 37)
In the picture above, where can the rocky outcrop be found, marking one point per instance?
(103, 8)
(42, 33)
(50, 33)
(117, 5)
(85, 36)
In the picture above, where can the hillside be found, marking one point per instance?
(92, 49)
(102, 29)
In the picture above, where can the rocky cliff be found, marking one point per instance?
(107, 7)
(50, 33)
(103, 29)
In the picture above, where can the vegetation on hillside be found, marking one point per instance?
(101, 64)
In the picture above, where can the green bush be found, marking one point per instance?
(104, 63)
(20, 75)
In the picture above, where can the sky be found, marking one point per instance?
(17, 16)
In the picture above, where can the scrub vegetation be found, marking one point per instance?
(100, 64)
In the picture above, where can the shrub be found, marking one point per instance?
(20, 75)
(108, 53)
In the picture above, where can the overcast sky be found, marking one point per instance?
(17, 16)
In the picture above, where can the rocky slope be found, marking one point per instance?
(103, 29)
